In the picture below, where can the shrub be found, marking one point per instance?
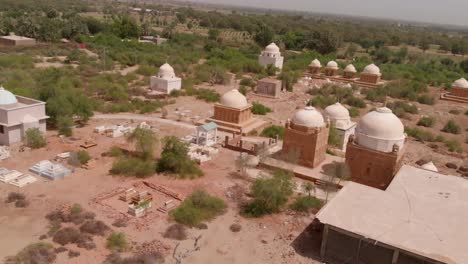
(334, 138)
(455, 112)
(146, 70)
(399, 108)
(198, 207)
(426, 121)
(273, 131)
(206, 95)
(143, 258)
(243, 90)
(94, 227)
(115, 151)
(235, 228)
(73, 254)
(14, 196)
(426, 99)
(247, 82)
(21, 203)
(117, 242)
(79, 158)
(133, 167)
(451, 127)
(322, 101)
(76, 209)
(67, 235)
(453, 146)
(259, 109)
(64, 125)
(269, 194)
(34, 138)
(355, 102)
(420, 134)
(305, 203)
(354, 112)
(176, 231)
(174, 159)
(37, 253)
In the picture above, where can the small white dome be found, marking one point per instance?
(337, 111)
(6, 97)
(372, 69)
(332, 65)
(380, 130)
(272, 48)
(430, 166)
(234, 99)
(460, 83)
(166, 70)
(315, 63)
(350, 68)
(308, 117)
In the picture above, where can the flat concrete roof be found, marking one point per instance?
(270, 80)
(423, 212)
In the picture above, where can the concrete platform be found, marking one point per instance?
(253, 124)
(452, 98)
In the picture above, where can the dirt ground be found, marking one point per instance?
(265, 240)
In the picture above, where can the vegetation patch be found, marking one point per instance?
(197, 208)
(259, 109)
(305, 203)
(451, 127)
(426, 121)
(37, 253)
(176, 231)
(273, 131)
(34, 138)
(117, 242)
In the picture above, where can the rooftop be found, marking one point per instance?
(428, 213)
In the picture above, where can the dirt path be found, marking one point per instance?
(142, 118)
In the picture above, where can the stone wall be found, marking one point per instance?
(369, 78)
(462, 92)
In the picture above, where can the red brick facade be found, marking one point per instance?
(309, 143)
(461, 92)
(331, 72)
(372, 168)
(369, 78)
(232, 115)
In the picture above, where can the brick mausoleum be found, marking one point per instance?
(306, 137)
(375, 153)
(269, 87)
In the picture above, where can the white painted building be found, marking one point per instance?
(339, 117)
(17, 115)
(271, 56)
(166, 81)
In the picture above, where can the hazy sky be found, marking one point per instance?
(435, 11)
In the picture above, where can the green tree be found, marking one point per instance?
(125, 26)
(214, 33)
(264, 35)
(64, 125)
(117, 242)
(174, 159)
(464, 65)
(34, 138)
(144, 140)
(308, 187)
(270, 194)
(333, 136)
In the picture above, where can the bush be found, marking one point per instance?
(273, 131)
(235, 228)
(420, 134)
(243, 90)
(453, 146)
(354, 112)
(67, 235)
(198, 207)
(94, 227)
(399, 108)
(37, 253)
(206, 95)
(147, 70)
(117, 242)
(15, 196)
(79, 158)
(175, 159)
(455, 112)
(322, 101)
(451, 127)
(176, 231)
(259, 109)
(21, 203)
(247, 82)
(34, 138)
(64, 125)
(141, 258)
(76, 209)
(269, 194)
(73, 254)
(426, 99)
(115, 152)
(305, 203)
(355, 102)
(133, 167)
(426, 121)
(334, 138)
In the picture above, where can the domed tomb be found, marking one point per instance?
(375, 153)
(339, 117)
(306, 137)
(460, 88)
(349, 71)
(234, 99)
(6, 97)
(331, 69)
(315, 66)
(371, 74)
(271, 56)
(165, 81)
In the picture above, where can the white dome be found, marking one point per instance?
(308, 117)
(350, 68)
(430, 166)
(272, 48)
(166, 70)
(380, 130)
(234, 99)
(6, 97)
(315, 63)
(332, 65)
(372, 69)
(460, 83)
(338, 115)
(337, 111)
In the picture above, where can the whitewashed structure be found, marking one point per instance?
(166, 81)
(339, 117)
(17, 115)
(271, 56)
